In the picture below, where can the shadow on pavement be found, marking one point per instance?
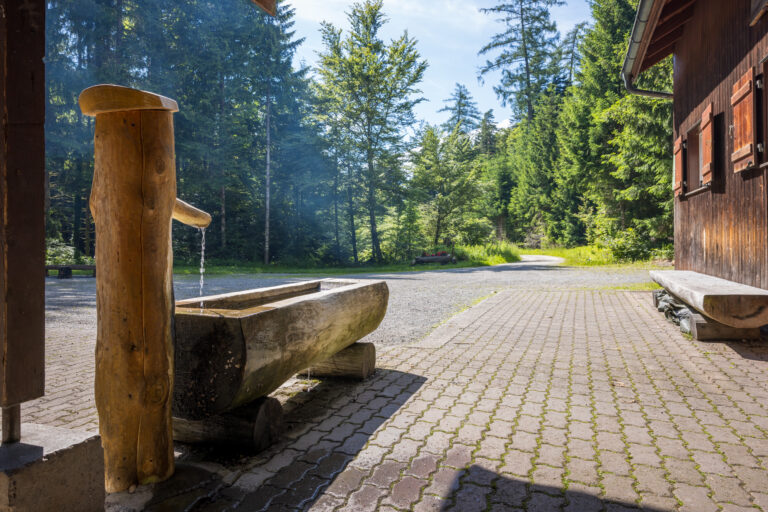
(474, 488)
(325, 428)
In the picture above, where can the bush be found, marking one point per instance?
(629, 245)
(59, 253)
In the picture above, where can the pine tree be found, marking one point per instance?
(526, 49)
(443, 176)
(377, 84)
(462, 109)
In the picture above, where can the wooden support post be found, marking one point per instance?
(706, 329)
(254, 426)
(132, 202)
(22, 207)
(11, 424)
(357, 361)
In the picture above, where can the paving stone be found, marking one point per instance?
(405, 492)
(386, 473)
(534, 388)
(346, 482)
(694, 499)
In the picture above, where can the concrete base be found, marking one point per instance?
(52, 469)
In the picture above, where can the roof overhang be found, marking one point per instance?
(269, 6)
(659, 24)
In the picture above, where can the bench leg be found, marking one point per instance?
(706, 329)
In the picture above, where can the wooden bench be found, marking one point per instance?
(732, 304)
(65, 271)
(443, 260)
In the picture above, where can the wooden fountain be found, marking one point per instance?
(133, 200)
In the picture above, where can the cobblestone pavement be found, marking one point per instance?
(532, 400)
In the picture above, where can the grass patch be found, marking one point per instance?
(215, 269)
(468, 256)
(591, 256)
(490, 254)
(587, 256)
(635, 287)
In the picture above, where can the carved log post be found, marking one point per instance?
(132, 202)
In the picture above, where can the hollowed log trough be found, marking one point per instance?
(233, 350)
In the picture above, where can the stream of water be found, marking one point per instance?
(202, 265)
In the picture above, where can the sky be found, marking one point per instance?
(449, 35)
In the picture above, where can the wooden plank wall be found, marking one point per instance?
(724, 231)
(22, 192)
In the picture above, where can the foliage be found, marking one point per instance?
(488, 254)
(583, 256)
(527, 52)
(59, 253)
(462, 109)
(351, 182)
(373, 87)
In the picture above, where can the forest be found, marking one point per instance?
(329, 166)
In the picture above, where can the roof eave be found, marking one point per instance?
(648, 12)
(270, 6)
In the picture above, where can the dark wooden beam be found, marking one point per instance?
(652, 60)
(673, 8)
(672, 24)
(269, 6)
(663, 43)
(22, 186)
(666, 34)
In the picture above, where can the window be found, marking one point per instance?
(693, 152)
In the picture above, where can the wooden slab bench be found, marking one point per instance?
(730, 303)
(65, 271)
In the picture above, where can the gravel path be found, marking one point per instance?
(418, 301)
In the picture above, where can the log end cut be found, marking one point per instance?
(105, 98)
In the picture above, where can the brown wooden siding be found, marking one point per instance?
(722, 231)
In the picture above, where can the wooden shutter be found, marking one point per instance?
(706, 145)
(744, 153)
(678, 186)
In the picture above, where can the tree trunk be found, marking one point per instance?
(528, 98)
(437, 230)
(223, 217)
(375, 245)
(352, 229)
(501, 231)
(268, 175)
(132, 200)
(336, 212)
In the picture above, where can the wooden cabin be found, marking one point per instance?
(720, 51)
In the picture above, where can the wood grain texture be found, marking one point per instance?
(732, 304)
(722, 232)
(706, 329)
(244, 346)
(22, 210)
(357, 361)
(132, 200)
(189, 215)
(253, 427)
(105, 98)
